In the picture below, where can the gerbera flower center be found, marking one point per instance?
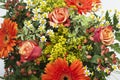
(65, 77)
(6, 39)
(79, 4)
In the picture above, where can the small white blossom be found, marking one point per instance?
(115, 67)
(35, 18)
(41, 28)
(98, 68)
(107, 70)
(43, 39)
(50, 32)
(43, 3)
(45, 15)
(55, 26)
(29, 3)
(36, 10)
(42, 21)
(87, 72)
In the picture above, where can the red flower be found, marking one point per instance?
(97, 35)
(59, 16)
(8, 34)
(29, 50)
(82, 6)
(60, 70)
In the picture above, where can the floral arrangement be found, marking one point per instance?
(58, 40)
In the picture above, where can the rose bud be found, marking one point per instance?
(92, 29)
(103, 47)
(28, 14)
(18, 63)
(102, 52)
(34, 72)
(22, 70)
(79, 47)
(113, 56)
(12, 58)
(91, 38)
(114, 61)
(106, 50)
(89, 56)
(29, 50)
(85, 41)
(29, 72)
(99, 61)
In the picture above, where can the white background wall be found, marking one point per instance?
(106, 5)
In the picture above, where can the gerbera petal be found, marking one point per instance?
(8, 34)
(59, 69)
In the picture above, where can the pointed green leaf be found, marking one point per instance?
(115, 21)
(116, 47)
(95, 58)
(117, 36)
(107, 17)
(2, 6)
(2, 1)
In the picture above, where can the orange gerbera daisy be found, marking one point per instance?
(60, 70)
(8, 33)
(82, 6)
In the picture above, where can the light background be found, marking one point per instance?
(106, 5)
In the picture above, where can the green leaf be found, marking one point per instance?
(117, 36)
(2, 6)
(33, 77)
(2, 1)
(116, 47)
(115, 21)
(107, 17)
(94, 59)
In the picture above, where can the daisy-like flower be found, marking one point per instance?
(29, 3)
(36, 10)
(115, 67)
(60, 70)
(41, 28)
(42, 21)
(8, 33)
(107, 70)
(45, 15)
(43, 39)
(50, 32)
(43, 3)
(28, 24)
(87, 72)
(98, 68)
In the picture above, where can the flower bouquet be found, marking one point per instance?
(58, 40)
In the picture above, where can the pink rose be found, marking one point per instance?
(59, 16)
(104, 34)
(29, 50)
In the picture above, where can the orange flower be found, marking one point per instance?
(8, 33)
(107, 36)
(60, 70)
(59, 16)
(82, 6)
